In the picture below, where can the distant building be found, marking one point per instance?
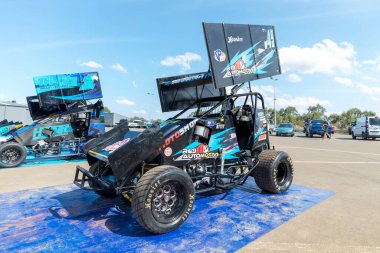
(13, 111)
(112, 119)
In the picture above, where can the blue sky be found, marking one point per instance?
(329, 50)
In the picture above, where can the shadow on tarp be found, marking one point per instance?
(65, 218)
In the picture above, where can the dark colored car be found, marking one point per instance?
(160, 169)
(217, 141)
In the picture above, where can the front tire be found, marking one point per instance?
(274, 173)
(12, 154)
(353, 136)
(163, 199)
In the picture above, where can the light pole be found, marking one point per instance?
(274, 105)
(274, 101)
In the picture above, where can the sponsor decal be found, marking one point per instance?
(168, 151)
(189, 207)
(220, 126)
(200, 152)
(113, 147)
(262, 137)
(188, 79)
(211, 123)
(269, 43)
(231, 39)
(148, 200)
(177, 134)
(243, 63)
(57, 130)
(219, 55)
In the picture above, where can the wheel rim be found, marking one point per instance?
(10, 156)
(283, 173)
(168, 202)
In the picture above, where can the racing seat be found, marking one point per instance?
(79, 128)
(244, 126)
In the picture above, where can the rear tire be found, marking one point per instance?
(97, 169)
(274, 173)
(163, 199)
(12, 154)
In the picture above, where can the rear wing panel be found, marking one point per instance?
(179, 92)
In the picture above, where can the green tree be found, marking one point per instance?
(336, 119)
(154, 121)
(106, 109)
(270, 114)
(314, 112)
(368, 113)
(136, 118)
(289, 114)
(350, 116)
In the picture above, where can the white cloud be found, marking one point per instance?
(375, 98)
(134, 83)
(375, 62)
(182, 60)
(369, 78)
(325, 57)
(294, 78)
(118, 67)
(371, 90)
(344, 81)
(124, 101)
(91, 64)
(139, 112)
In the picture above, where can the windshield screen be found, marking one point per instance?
(285, 125)
(317, 121)
(374, 121)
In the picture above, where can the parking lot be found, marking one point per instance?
(348, 221)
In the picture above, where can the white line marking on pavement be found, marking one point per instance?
(330, 162)
(331, 150)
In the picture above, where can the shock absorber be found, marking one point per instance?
(221, 151)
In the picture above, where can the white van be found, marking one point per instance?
(366, 127)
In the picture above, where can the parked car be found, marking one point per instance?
(352, 124)
(137, 124)
(286, 129)
(366, 127)
(315, 127)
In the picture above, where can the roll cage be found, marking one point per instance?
(227, 103)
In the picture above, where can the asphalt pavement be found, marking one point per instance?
(349, 221)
